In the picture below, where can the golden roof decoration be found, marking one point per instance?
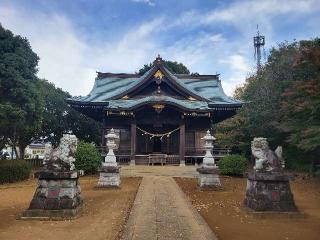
(158, 74)
(125, 97)
(158, 107)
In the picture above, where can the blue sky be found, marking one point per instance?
(74, 39)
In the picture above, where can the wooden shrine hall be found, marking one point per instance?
(160, 117)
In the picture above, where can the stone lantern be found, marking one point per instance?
(110, 171)
(208, 160)
(110, 159)
(208, 172)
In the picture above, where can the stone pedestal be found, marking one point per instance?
(209, 178)
(269, 192)
(109, 177)
(57, 196)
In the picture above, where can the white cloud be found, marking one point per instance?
(67, 60)
(232, 56)
(61, 52)
(130, 52)
(237, 63)
(260, 9)
(217, 38)
(70, 62)
(149, 2)
(239, 68)
(245, 15)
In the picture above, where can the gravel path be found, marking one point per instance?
(162, 211)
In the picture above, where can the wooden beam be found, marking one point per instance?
(182, 143)
(133, 142)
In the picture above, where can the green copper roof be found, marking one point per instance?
(108, 88)
(210, 89)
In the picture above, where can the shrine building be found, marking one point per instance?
(157, 115)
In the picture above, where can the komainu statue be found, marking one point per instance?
(268, 187)
(62, 157)
(266, 160)
(58, 194)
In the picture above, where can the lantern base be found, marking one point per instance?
(209, 178)
(109, 177)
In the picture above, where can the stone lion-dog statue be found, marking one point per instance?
(266, 160)
(62, 157)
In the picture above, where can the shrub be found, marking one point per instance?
(234, 165)
(87, 158)
(14, 171)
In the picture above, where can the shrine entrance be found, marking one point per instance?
(157, 145)
(152, 140)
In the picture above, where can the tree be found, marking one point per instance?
(174, 67)
(301, 101)
(59, 118)
(282, 103)
(19, 98)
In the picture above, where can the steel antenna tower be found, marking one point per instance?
(258, 42)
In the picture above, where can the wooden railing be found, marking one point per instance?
(123, 159)
(201, 151)
(193, 156)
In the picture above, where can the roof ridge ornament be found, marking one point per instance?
(158, 61)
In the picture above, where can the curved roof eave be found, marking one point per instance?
(134, 104)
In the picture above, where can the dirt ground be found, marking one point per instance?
(223, 211)
(104, 212)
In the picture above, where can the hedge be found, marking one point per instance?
(234, 165)
(87, 158)
(14, 171)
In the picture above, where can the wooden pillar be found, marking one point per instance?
(182, 143)
(103, 138)
(133, 143)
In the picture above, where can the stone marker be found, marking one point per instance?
(57, 196)
(110, 171)
(209, 172)
(268, 188)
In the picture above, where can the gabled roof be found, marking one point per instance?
(109, 89)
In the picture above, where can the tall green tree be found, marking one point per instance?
(19, 97)
(59, 118)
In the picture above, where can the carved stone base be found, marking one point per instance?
(269, 192)
(41, 214)
(109, 177)
(209, 178)
(57, 196)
